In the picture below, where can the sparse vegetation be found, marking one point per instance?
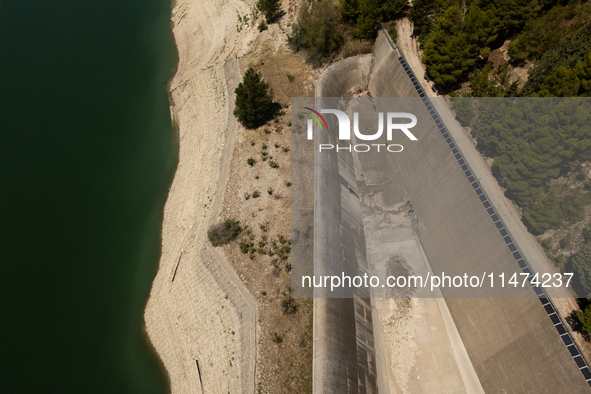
(288, 305)
(357, 47)
(251, 161)
(393, 32)
(273, 164)
(565, 241)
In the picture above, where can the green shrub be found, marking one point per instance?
(250, 161)
(277, 338)
(223, 233)
(584, 318)
(273, 164)
(263, 26)
(288, 305)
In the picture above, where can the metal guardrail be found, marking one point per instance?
(517, 253)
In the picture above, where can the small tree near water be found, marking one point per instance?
(224, 232)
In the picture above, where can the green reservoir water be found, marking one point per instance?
(87, 153)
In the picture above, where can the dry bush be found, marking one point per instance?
(357, 47)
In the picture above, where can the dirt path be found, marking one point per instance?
(413, 54)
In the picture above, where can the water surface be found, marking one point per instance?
(87, 154)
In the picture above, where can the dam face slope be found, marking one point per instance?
(513, 345)
(344, 347)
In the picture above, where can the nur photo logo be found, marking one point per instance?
(392, 120)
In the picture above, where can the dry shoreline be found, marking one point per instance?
(199, 317)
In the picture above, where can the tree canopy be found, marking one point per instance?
(368, 14)
(271, 9)
(449, 53)
(532, 142)
(318, 31)
(254, 101)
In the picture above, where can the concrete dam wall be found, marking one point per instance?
(344, 348)
(513, 344)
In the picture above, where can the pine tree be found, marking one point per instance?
(350, 10)
(254, 102)
(448, 53)
(421, 15)
(369, 19)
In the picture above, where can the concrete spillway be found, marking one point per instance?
(512, 344)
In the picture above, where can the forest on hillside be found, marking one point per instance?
(540, 150)
(458, 38)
